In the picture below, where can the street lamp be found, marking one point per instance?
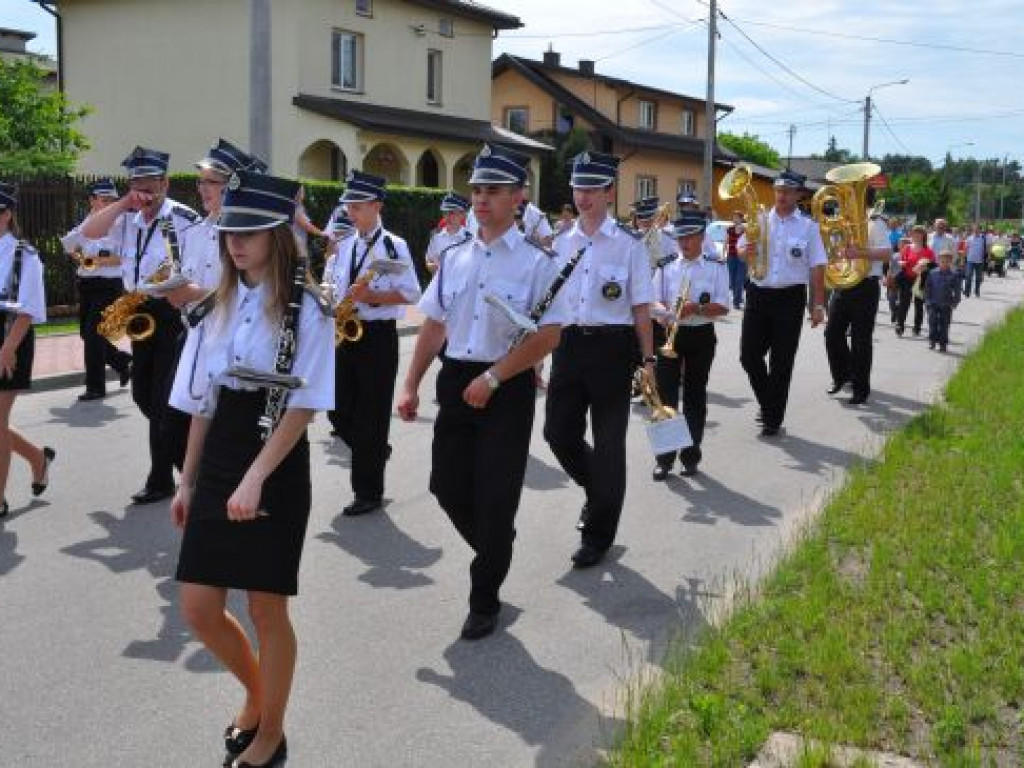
(867, 110)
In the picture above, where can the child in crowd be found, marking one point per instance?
(942, 294)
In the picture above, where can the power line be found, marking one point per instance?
(644, 42)
(592, 33)
(784, 67)
(889, 129)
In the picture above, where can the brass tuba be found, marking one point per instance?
(737, 183)
(847, 225)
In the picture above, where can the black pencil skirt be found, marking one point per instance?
(261, 555)
(21, 379)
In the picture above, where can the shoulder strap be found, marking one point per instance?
(635, 234)
(549, 252)
(389, 246)
(322, 304)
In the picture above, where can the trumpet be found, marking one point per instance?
(123, 318)
(668, 348)
(737, 183)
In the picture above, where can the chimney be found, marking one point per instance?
(587, 67)
(552, 58)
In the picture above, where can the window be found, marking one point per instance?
(688, 122)
(364, 7)
(646, 186)
(347, 60)
(434, 77)
(648, 115)
(446, 28)
(517, 119)
(686, 187)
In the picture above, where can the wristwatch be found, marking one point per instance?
(492, 381)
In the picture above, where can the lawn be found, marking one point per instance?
(896, 623)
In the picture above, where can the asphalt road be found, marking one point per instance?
(98, 669)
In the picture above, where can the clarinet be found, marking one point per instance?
(287, 341)
(549, 296)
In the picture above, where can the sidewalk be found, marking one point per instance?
(59, 359)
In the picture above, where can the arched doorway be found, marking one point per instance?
(430, 170)
(461, 172)
(323, 160)
(388, 161)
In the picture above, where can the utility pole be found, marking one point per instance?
(259, 79)
(707, 196)
(792, 133)
(867, 126)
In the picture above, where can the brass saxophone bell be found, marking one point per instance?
(140, 326)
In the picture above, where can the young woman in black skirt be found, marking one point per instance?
(22, 303)
(245, 496)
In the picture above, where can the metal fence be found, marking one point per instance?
(51, 206)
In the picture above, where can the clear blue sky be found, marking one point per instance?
(962, 87)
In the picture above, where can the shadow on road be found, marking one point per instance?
(392, 557)
(885, 412)
(500, 679)
(813, 457)
(627, 600)
(85, 415)
(541, 476)
(711, 501)
(143, 540)
(718, 400)
(9, 557)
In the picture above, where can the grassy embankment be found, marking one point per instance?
(897, 623)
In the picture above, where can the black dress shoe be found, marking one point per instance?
(478, 625)
(362, 507)
(236, 741)
(836, 386)
(660, 472)
(276, 759)
(584, 516)
(857, 400)
(48, 456)
(152, 495)
(587, 556)
(688, 470)
(769, 430)
(86, 396)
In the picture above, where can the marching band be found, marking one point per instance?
(235, 347)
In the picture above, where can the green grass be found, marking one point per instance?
(57, 327)
(896, 623)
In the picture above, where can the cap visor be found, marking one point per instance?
(231, 221)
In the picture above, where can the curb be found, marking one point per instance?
(69, 379)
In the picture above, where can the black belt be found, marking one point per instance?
(597, 330)
(379, 323)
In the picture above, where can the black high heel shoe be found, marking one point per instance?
(48, 456)
(276, 759)
(236, 741)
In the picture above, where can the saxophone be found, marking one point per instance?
(347, 325)
(123, 318)
(737, 183)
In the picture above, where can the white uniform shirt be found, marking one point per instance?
(509, 267)
(338, 272)
(535, 223)
(878, 237)
(794, 248)
(153, 249)
(31, 294)
(706, 275)
(111, 242)
(666, 246)
(246, 335)
(442, 239)
(613, 276)
(200, 254)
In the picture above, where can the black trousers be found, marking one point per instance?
(771, 326)
(939, 319)
(695, 346)
(94, 295)
(153, 363)
(905, 286)
(854, 310)
(591, 372)
(364, 389)
(478, 463)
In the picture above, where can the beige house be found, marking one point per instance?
(659, 134)
(395, 87)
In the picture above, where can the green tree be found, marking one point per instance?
(555, 167)
(923, 194)
(37, 127)
(751, 148)
(836, 155)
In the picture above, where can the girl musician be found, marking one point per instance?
(245, 497)
(22, 303)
